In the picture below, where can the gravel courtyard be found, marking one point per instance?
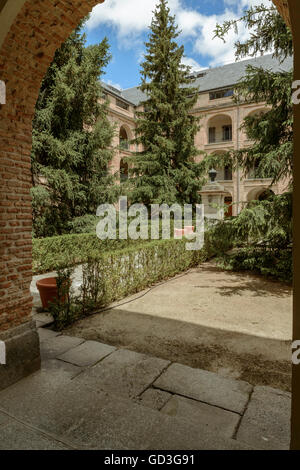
(236, 324)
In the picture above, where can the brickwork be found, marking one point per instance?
(283, 8)
(38, 30)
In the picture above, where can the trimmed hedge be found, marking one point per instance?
(113, 275)
(124, 272)
(52, 253)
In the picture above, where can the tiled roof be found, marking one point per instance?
(218, 77)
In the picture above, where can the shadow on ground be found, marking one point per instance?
(258, 285)
(257, 360)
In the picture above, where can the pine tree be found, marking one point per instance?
(71, 138)
(165, 170)
(263, 228)
(271, 132)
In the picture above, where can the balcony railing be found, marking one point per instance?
(124, 144)
(219, 141)
(254, 175)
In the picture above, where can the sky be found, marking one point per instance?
(126, 25)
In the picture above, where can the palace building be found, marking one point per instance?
(220, 126)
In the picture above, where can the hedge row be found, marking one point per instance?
(52, 253)
(124, 272)
(113, 275)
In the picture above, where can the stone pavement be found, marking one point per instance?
(90, 395)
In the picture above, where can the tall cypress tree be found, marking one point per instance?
(71, 138)
(165, 170)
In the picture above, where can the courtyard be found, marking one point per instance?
(200, 361)
(174, 352)
(90, 395)
(235, 324)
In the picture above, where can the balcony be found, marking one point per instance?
(124, 140)
(224, 174)
(219, 131)
(253, 175)
(219, 141)
(124, 144)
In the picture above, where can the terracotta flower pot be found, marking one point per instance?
(187, 230)
(48, 290)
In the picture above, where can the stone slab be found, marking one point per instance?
(124, 372)
(154, 398)
(45, 334)
(92, 419)
(60, 371)
(205, 416)
(22, 353)
(33, 392)
(205, 386)
(87, 353)
(16, 436)
(43, 318)
(3, 419)
(54, 347)
(266, 423)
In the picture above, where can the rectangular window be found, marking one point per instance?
(212, 135)
(227, 133)
(227, 173)
(215, 95)
(122, 104)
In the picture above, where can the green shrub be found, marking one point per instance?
(272, 263)
(113, 275)
(63, 309)
(84, 224)
(52, 253)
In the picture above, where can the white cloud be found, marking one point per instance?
(218, 51)
(192, 63)
(130, 18)
(247, 3)
(111, 83)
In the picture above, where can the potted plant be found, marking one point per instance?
(54, 289)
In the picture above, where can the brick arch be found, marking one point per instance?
(37, 31)
(26, 52)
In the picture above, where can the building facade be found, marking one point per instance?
(220, 130)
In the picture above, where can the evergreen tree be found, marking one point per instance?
(71, 138)
(263, 228)
(165, 171)
(271, 132)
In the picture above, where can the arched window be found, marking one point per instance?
(123, 170)
(266, 194)
(220, 129)
(124, 141)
